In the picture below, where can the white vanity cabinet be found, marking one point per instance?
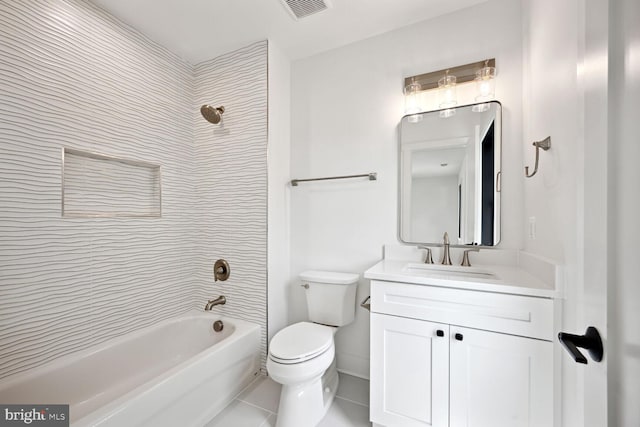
(409, 372)
(460, 358)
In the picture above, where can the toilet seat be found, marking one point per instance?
(300, 342)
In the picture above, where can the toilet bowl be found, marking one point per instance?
(302, 367)
(302, 355)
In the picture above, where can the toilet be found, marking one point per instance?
(302, 355)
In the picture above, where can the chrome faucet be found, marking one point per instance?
(221, 300)
(446, 257)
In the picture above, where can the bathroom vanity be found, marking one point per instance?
(461, 346)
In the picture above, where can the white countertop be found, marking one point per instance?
(508, 280)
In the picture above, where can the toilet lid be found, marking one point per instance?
(301, 341)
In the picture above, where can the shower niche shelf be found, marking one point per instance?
(96, 185)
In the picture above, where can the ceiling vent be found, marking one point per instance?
(304, 8)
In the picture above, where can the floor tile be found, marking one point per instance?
(263, 393)
(240, 414)
(257, 405)
(354, 389)
(269, 422)
(343, 413)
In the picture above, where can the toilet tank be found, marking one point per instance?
(331, 297)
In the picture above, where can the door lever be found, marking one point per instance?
(590, 341)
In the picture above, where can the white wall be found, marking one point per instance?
(346, 105)
(552, 108)
(278, 155)
(569, 196)
(434, 207)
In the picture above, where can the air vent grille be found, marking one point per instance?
(303, 8)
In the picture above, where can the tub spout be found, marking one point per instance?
(218, 301)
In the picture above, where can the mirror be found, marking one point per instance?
(450, 175)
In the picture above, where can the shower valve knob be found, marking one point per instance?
(221, 270)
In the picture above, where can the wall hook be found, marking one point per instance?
(545, 144)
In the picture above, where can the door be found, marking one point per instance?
(590, 301)
(612, 84)
(409, 372)
(624, 206)
(499, 380)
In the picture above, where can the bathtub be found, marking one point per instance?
(179, 372)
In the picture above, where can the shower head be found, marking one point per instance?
(212, 114)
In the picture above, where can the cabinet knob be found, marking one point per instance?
(440, 333)
(458, 336)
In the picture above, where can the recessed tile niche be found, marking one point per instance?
(95, 185)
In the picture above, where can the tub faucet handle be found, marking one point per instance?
(221, 270)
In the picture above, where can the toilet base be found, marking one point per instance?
(304, 405)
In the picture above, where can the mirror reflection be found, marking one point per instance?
(449, 175)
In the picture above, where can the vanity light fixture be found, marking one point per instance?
(446, 81)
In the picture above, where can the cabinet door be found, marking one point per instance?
(409, 372)
(500, 380)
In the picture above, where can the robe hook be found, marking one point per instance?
(545, 144)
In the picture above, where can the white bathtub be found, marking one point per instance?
(176, 373)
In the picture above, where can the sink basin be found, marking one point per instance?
(451, 271)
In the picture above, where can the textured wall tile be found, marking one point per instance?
(72, 76)
(231, 171)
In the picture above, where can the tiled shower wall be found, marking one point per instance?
(231, 182)
(73, 76)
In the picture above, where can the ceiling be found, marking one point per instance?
(437, 163)
(198, 30)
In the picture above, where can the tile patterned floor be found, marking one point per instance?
(257, 405)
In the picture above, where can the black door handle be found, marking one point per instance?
(590, 341)
(440, 333)
(459, 337)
